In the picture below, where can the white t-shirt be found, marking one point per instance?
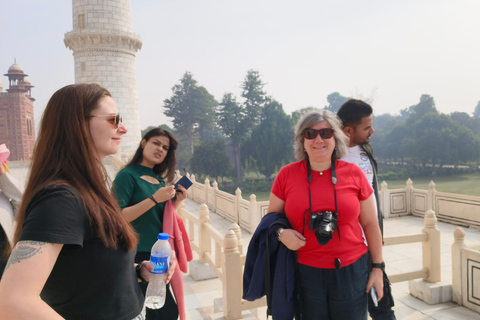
(358, 156)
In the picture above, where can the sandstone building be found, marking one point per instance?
(17, 126)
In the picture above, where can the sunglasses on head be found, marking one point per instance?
(118, 117)
(325, 133)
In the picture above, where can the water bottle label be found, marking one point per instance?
(160, 263)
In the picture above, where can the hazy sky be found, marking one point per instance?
(393, 51)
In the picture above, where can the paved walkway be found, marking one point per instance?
(200, 295)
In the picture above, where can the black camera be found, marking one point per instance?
(324, 224)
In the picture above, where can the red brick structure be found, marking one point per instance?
(17, 126)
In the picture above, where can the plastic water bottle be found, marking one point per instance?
(160, 258)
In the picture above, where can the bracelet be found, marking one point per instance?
(138, 268)
(379, 265)
(280, 233)
(153, 199)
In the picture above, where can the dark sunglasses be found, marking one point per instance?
(118, 117)
(325, 133)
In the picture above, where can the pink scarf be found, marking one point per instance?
(173, 225)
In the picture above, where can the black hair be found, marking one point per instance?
(166, 169)
(353, 111)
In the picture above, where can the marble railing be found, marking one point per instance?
(453, 208)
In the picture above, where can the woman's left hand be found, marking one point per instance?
(376, 280)
(147, 266)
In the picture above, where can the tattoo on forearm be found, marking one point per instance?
(25, 250)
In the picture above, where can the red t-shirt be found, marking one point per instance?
(352, 187)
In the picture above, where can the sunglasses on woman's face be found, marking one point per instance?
(116, 118)
(325, 133)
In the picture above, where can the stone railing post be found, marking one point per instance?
(238, 233)
(207, 186)
(431, 249)
(232, 278)
(214, 197)
(457, 246)
(181, 206)
(385, 200)
(409, 198)
(204, 244)
(254, 214)
(192, 178)
(238, 194)
(430, 196)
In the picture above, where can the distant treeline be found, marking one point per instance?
(224, 138)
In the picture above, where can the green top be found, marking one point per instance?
(129, 189)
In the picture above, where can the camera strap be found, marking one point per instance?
(334, 181)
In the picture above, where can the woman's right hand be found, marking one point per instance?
(164, 194)
(292, 239)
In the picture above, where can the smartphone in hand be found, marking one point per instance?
(373, 293)
(185, 182)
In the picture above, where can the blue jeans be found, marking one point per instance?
(334, 294)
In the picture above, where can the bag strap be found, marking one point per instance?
(266, 271)
(373, 163)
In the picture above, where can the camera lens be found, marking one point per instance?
(325, 226)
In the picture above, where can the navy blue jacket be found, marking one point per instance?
(280, 297)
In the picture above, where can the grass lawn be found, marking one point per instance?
(261, 196)
(468, 184)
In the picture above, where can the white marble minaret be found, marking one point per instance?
(104, 48)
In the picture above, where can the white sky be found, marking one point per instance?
(303, 49)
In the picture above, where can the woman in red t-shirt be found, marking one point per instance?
(331, 223)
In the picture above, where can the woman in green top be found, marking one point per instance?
(142, 194)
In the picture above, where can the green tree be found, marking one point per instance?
(464, 119)
(252, 92)
(270, 144)
(335, 101)
(163, 126)
(297, 114)
(233, 122)
(391, 146)
(191, 107)
(209, 158)
(476, 112)
(467, 145)
(426, 105)
(237, 120)
(426, 133)
(385, 122)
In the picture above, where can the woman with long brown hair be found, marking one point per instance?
(74, 252)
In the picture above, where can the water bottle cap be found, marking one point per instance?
(163, 236)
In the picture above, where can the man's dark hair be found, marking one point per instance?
(353, 111)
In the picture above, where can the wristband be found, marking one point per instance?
(280, 233)
(138, 269)
(379, 265)
(153, 199)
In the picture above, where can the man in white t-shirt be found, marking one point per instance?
(357, 119)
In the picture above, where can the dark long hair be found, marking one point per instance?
(64, 154)
(166, 169)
